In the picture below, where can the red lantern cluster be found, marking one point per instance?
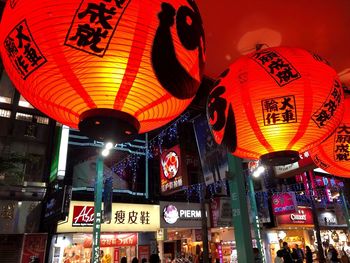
(121, 66)
(333, 155)
(274, 103)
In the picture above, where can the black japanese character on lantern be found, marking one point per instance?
(88, 36)
(21, 36)
(169, 71)
(98, 11)
(218, 120)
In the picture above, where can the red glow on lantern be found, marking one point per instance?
(71, 58)
(275, 103)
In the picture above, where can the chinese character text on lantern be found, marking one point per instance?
(333, 155)
(105, 66)
(275, 103)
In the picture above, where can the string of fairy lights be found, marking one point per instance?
(170, 133)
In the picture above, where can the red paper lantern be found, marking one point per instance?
(274, 103)
(333, 155)
(120, 66)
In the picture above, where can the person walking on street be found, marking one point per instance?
(287, 256)
(308, 255)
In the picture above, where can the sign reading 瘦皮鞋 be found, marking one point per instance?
(125, 217)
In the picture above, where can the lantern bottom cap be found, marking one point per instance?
(280, 158)
(109, 125)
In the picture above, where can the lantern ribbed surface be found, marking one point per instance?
(333, 155)
(144, 58)
(275, 100)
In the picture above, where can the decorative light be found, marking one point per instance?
(274, 103)
(333, 155)
(113, 69)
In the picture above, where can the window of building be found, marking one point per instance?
(42, 120)
(5, 113)
(24, 103)
(24, 117)
(6, 89)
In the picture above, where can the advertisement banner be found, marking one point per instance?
(125, 217)
(172, 172)
(327, 218)
(114, 240)
(303, 216)
(213, 156)
(262, 205)
(283, 203)
(220, 212)
(34, 246)
(81, 161)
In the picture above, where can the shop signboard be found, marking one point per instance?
(57, 204)
(172, 171)
(125, 217)
(305, 163)
(34, 246)
(327, 218)
(283, 203)
(113, 240)
(181, 215)
(303, 216)
(221, 212)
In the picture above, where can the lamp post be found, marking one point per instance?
(97, 203)
(254, 210)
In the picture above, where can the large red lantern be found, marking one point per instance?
(109, 67)
(274, 103)
(333, 155)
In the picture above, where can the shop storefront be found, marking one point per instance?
(295, 228)
(334, 231)
(131, 233)
(182, 234)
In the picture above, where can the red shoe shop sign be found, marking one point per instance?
(83, 216)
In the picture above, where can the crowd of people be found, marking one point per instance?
(297, 255)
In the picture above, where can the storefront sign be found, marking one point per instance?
(126, 217)
(180, 215)
(172, 172)
(305, 163)
(327, 218)
(34, 246)
(302, 217)
(283, 203)
(116, 255)
(114, 240)
(83, 215)
(221, 212)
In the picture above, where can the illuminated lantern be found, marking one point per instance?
(274, 103)
(110, 67)
(333, 155)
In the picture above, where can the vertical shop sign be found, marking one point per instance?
(116, 255)
(34, 246)
(107, 200)
(173, 176)
(97, 211)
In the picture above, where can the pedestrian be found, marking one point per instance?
(299, 253)
(344, 258)
(135, 260)
(144, 260)
(308, 255)
(279, 257)
(257, 257)
(287, 256)
(154, 258)
(123, 260)
(332, 254)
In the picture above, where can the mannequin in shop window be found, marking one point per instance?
(198, 257)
